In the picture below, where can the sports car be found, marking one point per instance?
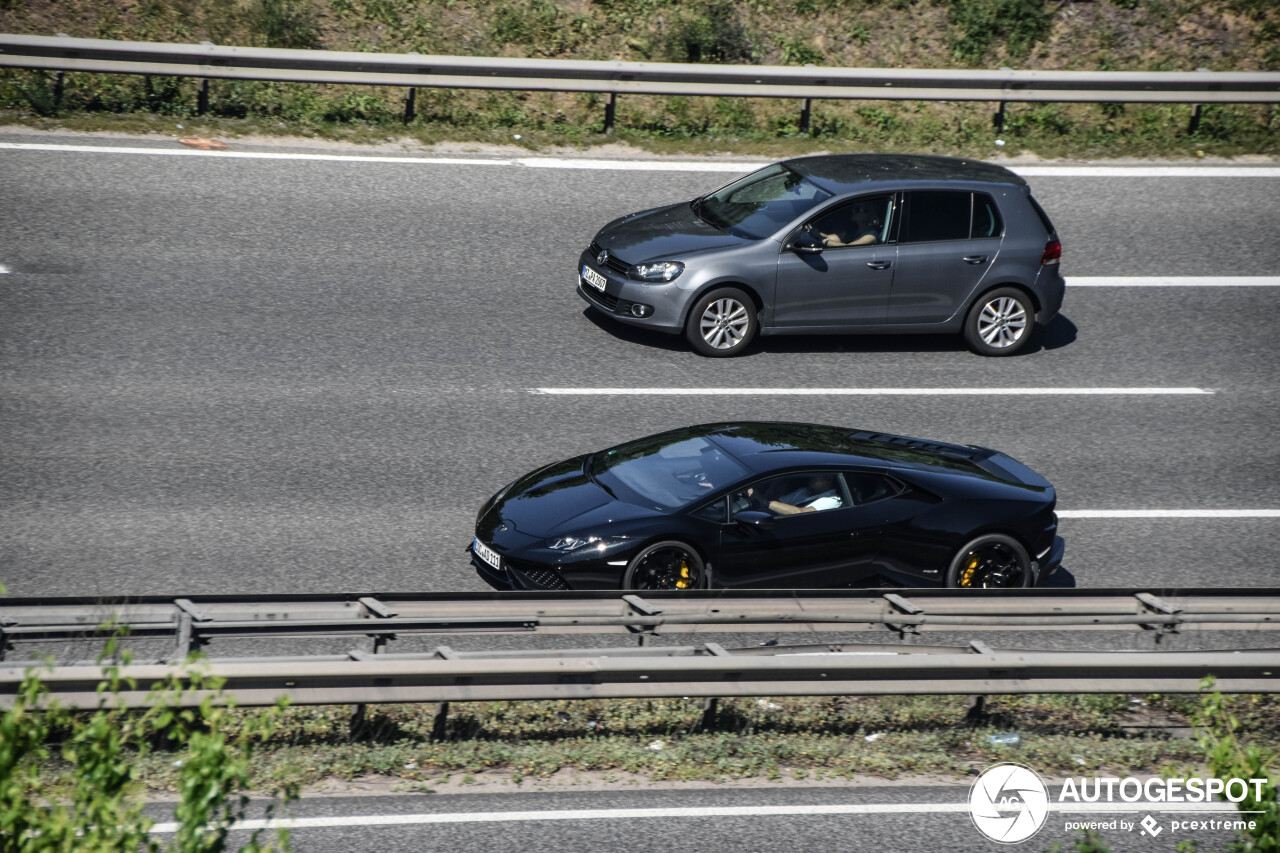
(781, 505)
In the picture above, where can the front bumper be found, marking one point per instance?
(1045, 568)
(621, 293)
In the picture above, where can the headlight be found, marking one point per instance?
(575, 543)
(661, 271)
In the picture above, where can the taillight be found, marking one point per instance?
(1052, 253)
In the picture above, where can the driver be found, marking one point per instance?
(818, 493)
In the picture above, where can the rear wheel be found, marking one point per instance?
(1000, 322)
(991, 561)
(722, 323)
(665, 565)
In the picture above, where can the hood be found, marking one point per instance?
(661, 233)
(554, 500)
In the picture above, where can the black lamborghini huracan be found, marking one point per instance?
(752, 505)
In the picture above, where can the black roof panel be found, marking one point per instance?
(845, 172)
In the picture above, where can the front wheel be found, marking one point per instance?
(722, 323)
(991, 561)
(664, 565)
(1000, 322)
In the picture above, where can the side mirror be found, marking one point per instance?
(806, 244)
(754, 518)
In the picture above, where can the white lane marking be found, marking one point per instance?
(1174, 281)
(862, 392)
(638, 165)
(1147, 171)
(650, 165)
(1169, 513)
(4, 270)
(695, 812)
(255, 155)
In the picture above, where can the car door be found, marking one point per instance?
(821, 548)
(843, 285)
(947, 242)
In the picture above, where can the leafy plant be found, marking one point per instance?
(715, 35)
(284, 23)
(1018, 23)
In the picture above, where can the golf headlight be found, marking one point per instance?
(661, 271)
(577, 543)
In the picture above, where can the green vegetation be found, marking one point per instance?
(1219, 723)
(1108, 34)
(72, 780)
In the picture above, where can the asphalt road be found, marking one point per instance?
(836, 819)
(281, 375)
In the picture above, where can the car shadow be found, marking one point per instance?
(1061, 579)
(1060, 332)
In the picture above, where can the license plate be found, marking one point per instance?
(487, 554)
(593, 278)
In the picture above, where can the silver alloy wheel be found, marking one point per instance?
(724, 323)
(1003, 322)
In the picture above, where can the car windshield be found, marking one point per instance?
(761, 203)
(666, 471)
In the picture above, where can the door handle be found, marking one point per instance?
(882, 265)
(975, 259)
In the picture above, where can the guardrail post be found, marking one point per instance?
(202, 99)
(805, 113)
(610, 110)
(1194, 125)
(997, 120)
(410, 101)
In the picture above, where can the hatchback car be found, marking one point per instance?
(786, 505)
(841, 243)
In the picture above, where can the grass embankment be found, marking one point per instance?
(778, 740)
(1148, 35)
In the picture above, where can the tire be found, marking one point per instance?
(665, 566)
(722, 323)
(1000, 322)
(994, 560)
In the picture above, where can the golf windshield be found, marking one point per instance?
(761, 203)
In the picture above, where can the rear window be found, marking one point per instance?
(1044, 217)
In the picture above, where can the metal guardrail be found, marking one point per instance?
(632, 78)
(191, 624)
(209, 61)
(706, 670)
(715, 673)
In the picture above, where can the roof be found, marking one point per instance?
(842, 173)
(768, 446)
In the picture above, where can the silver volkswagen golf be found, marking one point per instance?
(836, 244)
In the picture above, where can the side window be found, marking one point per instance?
(864, 222)
(986, 217)
(937, 215)
(792, 494)
(714, 512)
(867, 488)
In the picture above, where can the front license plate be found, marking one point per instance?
(593, 278)
(487, 554)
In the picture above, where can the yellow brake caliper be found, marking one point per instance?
(683, 583)
(966, 576)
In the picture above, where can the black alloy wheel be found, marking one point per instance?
(665, 565)
(992, 561)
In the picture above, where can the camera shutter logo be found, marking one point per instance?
(1008, 803)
